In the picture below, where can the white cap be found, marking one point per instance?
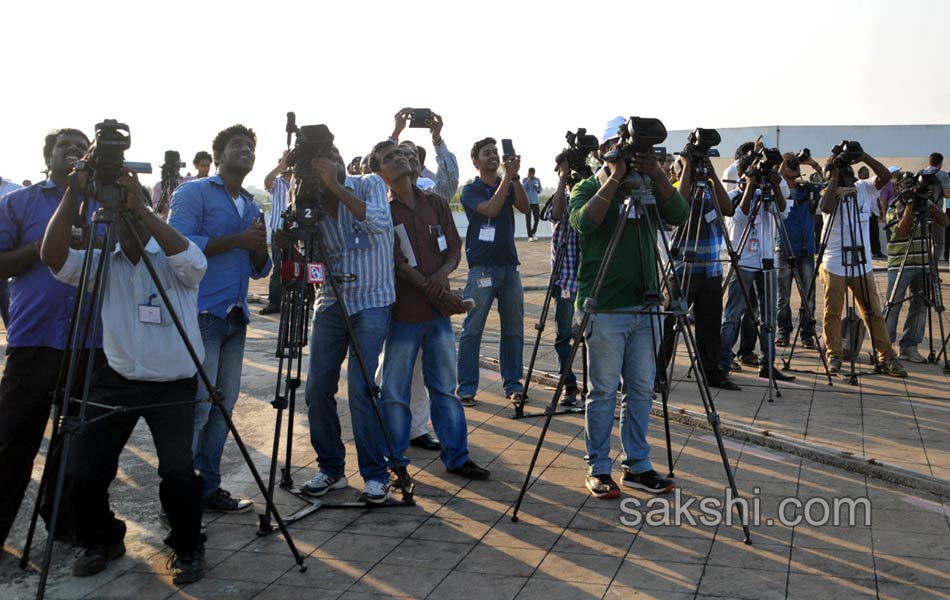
(893, 169)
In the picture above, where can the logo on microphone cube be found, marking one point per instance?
(315, 273)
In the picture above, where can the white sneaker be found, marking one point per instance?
(323, 483)
(376, 492)
(912, 355)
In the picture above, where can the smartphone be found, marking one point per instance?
(421, 118)
(507, 149)
(469, 303)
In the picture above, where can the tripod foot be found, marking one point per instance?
(264, 527)
(747, 541)
(303, 567)
(514, 518)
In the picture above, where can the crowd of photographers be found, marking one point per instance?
(390, 240)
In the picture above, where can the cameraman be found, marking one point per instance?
(148, 366)
(621, 339)
(358, 234)
(704, 278)
(750, 269)
(800, 226)
(909, 239)
(834, 274)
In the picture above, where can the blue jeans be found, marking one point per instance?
(806, 271)
(224, 356)
(621, 348)
(328, 348)
(916, 314)
(564, 317)
(503, 283)
(437, 342)
(735, 306)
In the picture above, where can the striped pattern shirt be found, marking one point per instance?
(447, 178)
(897, 246)
(278, 202)
(567, 278)
(367, 272)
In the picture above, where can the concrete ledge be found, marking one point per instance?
(863, 465)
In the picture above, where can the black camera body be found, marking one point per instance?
(756, 164)
(637, 135)
(699, 145)
(171, 166)
(920, 190)
(846, 154)
(107, 163)
(313, 141)
(579, 147)
(803, 155)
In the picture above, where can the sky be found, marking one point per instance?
(179, 72)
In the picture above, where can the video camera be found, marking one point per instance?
(579, 147)
(313, 141)
(845, 154)
(171, 166)
(756, 164)
(920, 190)
(699, 145)
(107, 163)
(803, 155)
(637, 134)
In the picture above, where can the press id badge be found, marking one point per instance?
(710, 216)
(149, 313)
(439, 237)
(565, 294)
(486, 233)
(484, 282)
(753, 245)
(357, 241)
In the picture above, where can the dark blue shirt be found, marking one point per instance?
(500, 252)
(202, 209)
(40, 307)
(800, 222)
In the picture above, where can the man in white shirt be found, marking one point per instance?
(848, 215)
(148, 366)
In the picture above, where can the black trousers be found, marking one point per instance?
(274, 289)
(533, 213)
(94, 457)
(875, 231)
(705, 296)
(26, 396)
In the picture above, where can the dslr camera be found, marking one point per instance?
(637, 134)
(107, 163)
(312, 142)
(579, 147)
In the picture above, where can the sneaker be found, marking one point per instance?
(467, 401)
(94, 559)
(569, 398)
(470, 471)
(221, 500)
(912, 355)
(187, 567)
(808, 342)
(270, 309)
(648, 481)
(777, 374)
(834, 364)
(517, 398)
(602, 486)
(781, 341)
(893, 367)
(323, 483)
(376, 492)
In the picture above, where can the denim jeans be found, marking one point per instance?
(621, 349)
(735, 306)
(912, 278)
(224, 356)
(806, 272)
(564, 319)
(437, 342)
(484, 285)
(328, 348)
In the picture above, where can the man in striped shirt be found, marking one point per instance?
(358, 234)
(277, 182)
(908, 240)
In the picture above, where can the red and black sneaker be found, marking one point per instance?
(648, 481)
(602, 486)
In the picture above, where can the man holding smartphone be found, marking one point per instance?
(446, 178)
(225, 222)
(493, 267)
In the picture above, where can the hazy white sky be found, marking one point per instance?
(178, 72)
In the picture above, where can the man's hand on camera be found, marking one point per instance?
(401, 117)
(328, 171)
(436, 129)
(282, 238)
(618, 169)
(564, 169)
(647, 164)
(512, 166)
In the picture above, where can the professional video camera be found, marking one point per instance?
(920, 190)
(171, 166)
(756, 164)
(699, 145)
(845, 154)
(579, 147)
(107, 163)
(313, 141)
(637, 134)
(803, 155)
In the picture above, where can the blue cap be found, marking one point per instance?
(611, 131)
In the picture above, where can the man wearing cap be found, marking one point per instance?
(621, 334)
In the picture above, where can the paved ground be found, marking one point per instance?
(459, 540)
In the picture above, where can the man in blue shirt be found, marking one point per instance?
(223, 220)
(532, 187)
(492, 269)
(40, 312)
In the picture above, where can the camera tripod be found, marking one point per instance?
(641, 207)
(295, 312)
(559, 257)
(84, 327)
(929, 292)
